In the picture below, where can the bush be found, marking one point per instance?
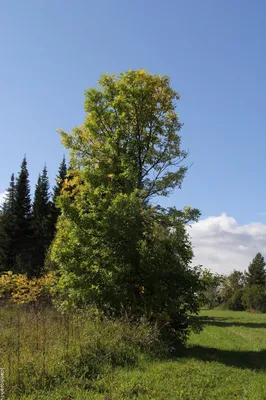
(254, 297)
(235, 303)
(19, 289)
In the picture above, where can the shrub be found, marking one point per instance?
(235, 303)
(254, 297)
(20, 289)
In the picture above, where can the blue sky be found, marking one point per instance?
(214, 52)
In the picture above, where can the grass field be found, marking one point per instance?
(227, 360)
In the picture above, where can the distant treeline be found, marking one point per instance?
(27, 226)
(240, 290)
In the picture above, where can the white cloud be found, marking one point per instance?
(2, 197)
(221, 244)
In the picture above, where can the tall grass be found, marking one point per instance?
(42, 348)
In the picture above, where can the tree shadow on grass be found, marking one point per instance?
(254, 360)
(223, 322)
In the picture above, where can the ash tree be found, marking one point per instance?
(113, 247)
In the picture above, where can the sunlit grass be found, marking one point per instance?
(227, 360)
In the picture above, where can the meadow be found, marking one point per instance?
(82, 357)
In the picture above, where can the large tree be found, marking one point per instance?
(7, 229)
(232, 283)
(256, 274)
(212, 287)
(23, 221)
(232, 290)
(113, 247)
(3, 246)
(60, 179)
(41, 222)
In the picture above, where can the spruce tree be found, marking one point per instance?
(41, 203)
(3, 246)
(7, 229)
(8, 206)
(60, 178)
(41, 222)
(256, 274)
(23, 221)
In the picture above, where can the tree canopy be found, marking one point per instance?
(113, 246)
(256, 274)
(27, 227)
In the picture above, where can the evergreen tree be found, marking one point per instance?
(23, 221)
(256, 274)
(7, 229)
(41, 211)
(41, 203)
(60, 178)
(3, 246)
(37, 201)
(8, 206)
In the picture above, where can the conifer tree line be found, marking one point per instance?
(27, 226)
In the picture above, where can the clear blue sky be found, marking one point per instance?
(214, 52)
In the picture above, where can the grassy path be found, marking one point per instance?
(227, 360)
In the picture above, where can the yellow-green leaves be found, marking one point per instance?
(131, 130)
(20, 289)
(112, 248)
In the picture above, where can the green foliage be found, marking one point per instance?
(211, 284)
(112, 246)
(231, 284)
(254, 297)
(235, 302)
(23, 221)
(55, 348)
(4, 246)
(226, 361)
(19, 289)
(22, 204)
(26, 231)
(42, 222)
(130, 135)
(60, 179)
(61, 176)
(237, 292)
(256, 274)
(8, 228)
(16, 224)
(41, 203)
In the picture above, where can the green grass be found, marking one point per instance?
(227, 360)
